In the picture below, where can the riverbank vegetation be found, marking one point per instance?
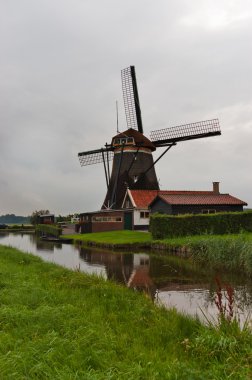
(230, 251)
(59, 324)
(48, 229)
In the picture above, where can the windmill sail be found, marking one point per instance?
(131, 99)
(201, 129)
(133, 165)
(97, 156)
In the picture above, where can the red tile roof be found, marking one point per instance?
(143, 198)
(201, 199)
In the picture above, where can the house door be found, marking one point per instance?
(128, 220)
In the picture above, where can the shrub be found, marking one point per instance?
(49, 229)
(167, 226)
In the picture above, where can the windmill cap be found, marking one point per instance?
(139, 138)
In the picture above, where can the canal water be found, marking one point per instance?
(168, 280)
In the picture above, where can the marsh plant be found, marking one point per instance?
(229, 311)
(224, 339)
(233, 253)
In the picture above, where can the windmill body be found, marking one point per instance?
(133, 166)
(132, 158)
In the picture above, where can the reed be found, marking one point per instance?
(232, 253)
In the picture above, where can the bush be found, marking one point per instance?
(49, 229)
(166, 226)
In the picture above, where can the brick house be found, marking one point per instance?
(46, 219)
(144, 202)
(105, 220)
(195, 202)
(138, 204)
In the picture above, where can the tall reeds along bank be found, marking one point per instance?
(227, 252)
(49, 230)
(168, 226)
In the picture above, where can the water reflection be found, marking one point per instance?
(171, 281)
(132, 270)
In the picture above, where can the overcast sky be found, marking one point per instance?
(60, 66)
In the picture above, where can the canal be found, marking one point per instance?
(168, 280)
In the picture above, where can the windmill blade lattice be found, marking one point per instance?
(131, 99)
(97, 156)
(185, 132)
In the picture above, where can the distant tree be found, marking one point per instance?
(14, 219)
(34, 218)
(60, 218)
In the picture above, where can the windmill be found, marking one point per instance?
(133, 165)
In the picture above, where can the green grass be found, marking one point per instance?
(131, 237)
(114, 237)
(59, 324)
(232, 251)
(187, 240)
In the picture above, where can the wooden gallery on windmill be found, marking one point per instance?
(132, 187)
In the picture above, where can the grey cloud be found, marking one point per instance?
(60, 77)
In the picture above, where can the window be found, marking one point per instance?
(208, 211)
(124, 140)
(144, 214)
(135, 178)
(102, 219)
(117, 141)
(127, 203)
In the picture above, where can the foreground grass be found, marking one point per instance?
(58, 324)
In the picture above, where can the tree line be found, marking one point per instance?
(31, 219)
(14, 219)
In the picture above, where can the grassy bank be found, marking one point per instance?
(132, 237)
(115, 239)
(58, 324)
(233, 251)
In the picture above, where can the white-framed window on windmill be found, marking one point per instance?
(127, 203)
(144, 214)
(123, 141)
(135, 178)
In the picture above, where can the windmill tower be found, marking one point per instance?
(133, 165)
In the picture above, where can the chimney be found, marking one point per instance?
(216, 189)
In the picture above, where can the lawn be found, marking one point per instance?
(131, 237)
(114, 237)
(62, 324)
